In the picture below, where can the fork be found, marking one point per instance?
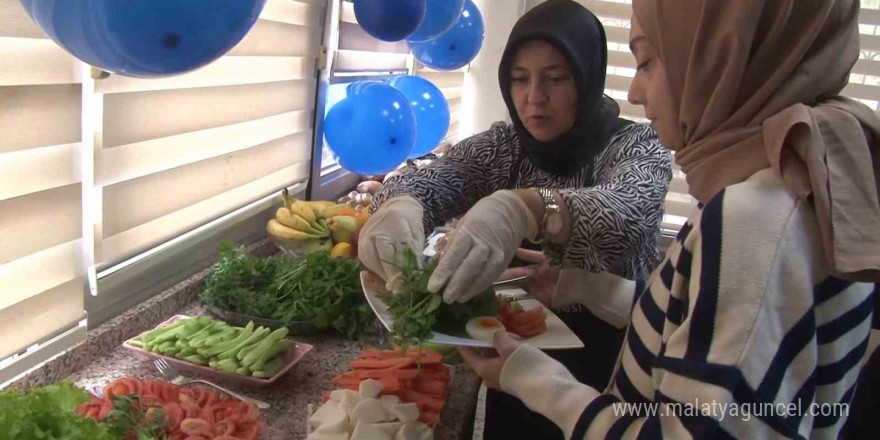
(172, 375)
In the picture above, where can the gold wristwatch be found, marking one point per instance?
(551, 223)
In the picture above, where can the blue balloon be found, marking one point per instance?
(372, 130)
(440, 15)
(146, 39)
(389, 20)
(431, 109)
(455, 47)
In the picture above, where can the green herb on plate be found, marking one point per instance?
(131, 416)
(418, 313)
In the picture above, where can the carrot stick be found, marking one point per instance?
(431, 387)
(430, 402)
(392, 384)
(429, 418)
(378, 374)
(375, 363)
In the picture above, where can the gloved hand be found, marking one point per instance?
(483, 245)
(397, 222)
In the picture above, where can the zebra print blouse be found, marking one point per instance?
(615, 222)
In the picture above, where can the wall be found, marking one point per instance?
(482, 103)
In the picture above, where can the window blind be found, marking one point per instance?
(175, 153)
(94, 172)
(40, 187)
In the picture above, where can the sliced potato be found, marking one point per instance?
(349, 400)
(370, 389)
(389, 428)
(334, 422)
(405, 412)
(368, 411)
(414, 431)
(388, 401)
(322, 414)
(329, 436)
(336, 395)
(368, 431)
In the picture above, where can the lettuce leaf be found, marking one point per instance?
(48, 413)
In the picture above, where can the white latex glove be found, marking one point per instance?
(397, 222)
(483, 245)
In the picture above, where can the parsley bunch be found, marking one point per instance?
(313, 288)
(418, 313)
(129, 416)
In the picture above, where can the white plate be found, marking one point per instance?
(557, 337)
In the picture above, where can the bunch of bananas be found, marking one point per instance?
(312, 226)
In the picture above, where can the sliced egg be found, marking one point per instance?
(483, 328)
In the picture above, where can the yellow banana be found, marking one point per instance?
(277, 230)
(285, 196)
(340, 209)
(321, 225)
(291, 220)
(318, 206)
(304, 211)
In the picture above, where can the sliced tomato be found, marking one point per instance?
(204, 396)
(207, 414)
(93, 411)
(187, 395)
(223, 427)
(190, 411)
(528, 330)
(153, 389)
(136, 386)
(249, 431)
(196, 427)
(170, 392)
(173, 414)
(504, 310)
(106, 407)
(250, 412)
(83, 408)
(529, 316)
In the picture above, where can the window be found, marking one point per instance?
(356, 56)
(138, 179)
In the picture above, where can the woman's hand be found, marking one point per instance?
(542, 277)
(482, 246)
(489, 368)
(397, 222)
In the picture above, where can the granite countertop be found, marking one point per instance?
(304, 384)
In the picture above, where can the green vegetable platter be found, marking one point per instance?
(250, 355)
(307, 295)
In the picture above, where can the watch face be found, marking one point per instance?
(554, 224)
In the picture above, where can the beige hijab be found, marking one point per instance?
(758, 84)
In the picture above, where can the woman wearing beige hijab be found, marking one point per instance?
(755, 324)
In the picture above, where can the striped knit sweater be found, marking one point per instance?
(616, 202)
(740, 314)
